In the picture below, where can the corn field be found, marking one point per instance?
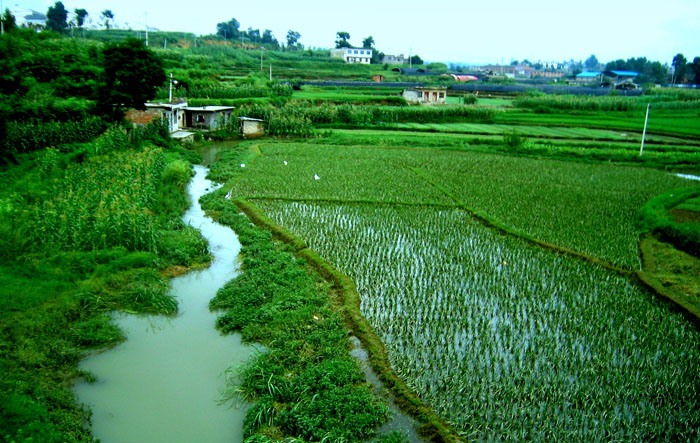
(101, 203)
(507, 341)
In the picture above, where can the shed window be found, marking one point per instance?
(200, 118)
(442, 95)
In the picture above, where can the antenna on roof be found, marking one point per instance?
(146, 14)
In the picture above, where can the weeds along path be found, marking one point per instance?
(468, 313)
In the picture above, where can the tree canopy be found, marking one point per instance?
(591, 62)
(107, 15)
(8, 21)
(56, 17)
(293, 39)
(342, 40)
(132, 73)
(228, 29)
(80, 15)
(368, 43)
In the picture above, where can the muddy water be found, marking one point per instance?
(163, 383)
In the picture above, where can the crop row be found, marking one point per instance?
(610, 103)
(505, 340)
(590, 208)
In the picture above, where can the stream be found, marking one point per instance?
(163, 383)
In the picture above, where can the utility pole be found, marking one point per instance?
(2, 19)
(261, 57)
(146, 14)
(270, 71)
(170, 92)
(644, 134)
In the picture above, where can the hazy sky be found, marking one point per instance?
(484, 31)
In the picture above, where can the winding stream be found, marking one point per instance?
(163, 383)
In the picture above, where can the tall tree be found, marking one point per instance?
(8, 21)
(368, 43)
(292, 39)
(269, 38)
(132, 73)
(107, 15)
(592, 62)
(80, 15)
(56, 17)
(228, 29)
(341, 40)
(680, 64)
(695, 68)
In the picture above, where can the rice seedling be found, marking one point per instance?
(505, 340)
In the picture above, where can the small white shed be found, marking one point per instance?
(251, 127)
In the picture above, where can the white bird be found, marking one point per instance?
(228, 195)
(316, 177)
(242, 165)
(285, 162)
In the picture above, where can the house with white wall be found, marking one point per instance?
(353, 55)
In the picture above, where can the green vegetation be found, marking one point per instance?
(674, 217)
(590, 208)
(495, 283)
(305, 384)
(521, 351)
(521, 334)
(72, 250)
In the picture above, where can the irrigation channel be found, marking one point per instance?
(163, 383)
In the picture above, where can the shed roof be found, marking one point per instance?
(589, 74)
(624, 73)
(250, 119)
(209, 108)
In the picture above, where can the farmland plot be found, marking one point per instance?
(505, 340)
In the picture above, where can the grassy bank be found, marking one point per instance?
(81, 236)
(305, 384)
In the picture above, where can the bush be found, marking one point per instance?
(655, 217)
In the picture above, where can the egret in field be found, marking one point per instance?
(316, 177)
(228, 194)
(285, 162)
(242, 165)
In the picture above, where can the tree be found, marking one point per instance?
(253, 34)
(269, 38)
(107, 15)
(8, 21)
(132, 73)
(228, 29)
(680, 65)
(292, 39)
(695, 68)
(80, 15)
(415, 60)
(56, 17)
(368, 43)
(342, 40)
(592, 62)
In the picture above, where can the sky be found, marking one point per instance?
(476, 32)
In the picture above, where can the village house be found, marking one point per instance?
(29, 18)
(426, 95)
(394, 59)
(207, 117)
(353, 55)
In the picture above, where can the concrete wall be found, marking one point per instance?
(252, 129)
